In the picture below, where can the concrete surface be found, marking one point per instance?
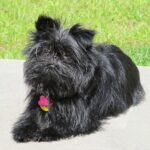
(130, 131)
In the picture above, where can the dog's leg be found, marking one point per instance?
(24, 128)
(47, 135)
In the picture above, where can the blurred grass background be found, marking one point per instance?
(125, 23)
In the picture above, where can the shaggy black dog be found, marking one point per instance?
(83, 82)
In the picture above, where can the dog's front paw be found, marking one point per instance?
(45, 136)
(22, 134)
(21, 138)
(39, 137)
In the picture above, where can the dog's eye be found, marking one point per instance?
(66, 54)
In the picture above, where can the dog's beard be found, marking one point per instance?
(51, 84)
(61, 81)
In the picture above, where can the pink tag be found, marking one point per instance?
(43, 101)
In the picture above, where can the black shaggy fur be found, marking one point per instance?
(85, 83)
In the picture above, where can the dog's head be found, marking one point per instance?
(59, 60)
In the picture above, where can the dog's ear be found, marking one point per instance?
(45, 23)
(83, 36)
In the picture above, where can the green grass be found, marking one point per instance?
(125, 23)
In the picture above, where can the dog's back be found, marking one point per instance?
(122, 79)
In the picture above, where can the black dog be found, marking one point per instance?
(83, 82)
